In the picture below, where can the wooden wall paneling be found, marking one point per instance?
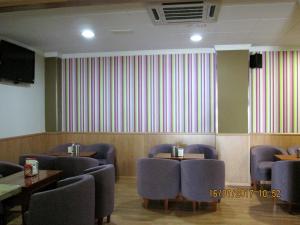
(129, 147)
(281, 140)
(12, 148)
(233, 149)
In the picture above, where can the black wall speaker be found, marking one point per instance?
(256, 60)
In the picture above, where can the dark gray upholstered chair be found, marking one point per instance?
(45, 162)
(262, 158)
(104, 190)
(208, 151)
(285, 178)
(158, 179)
(199, 177)
(163, 148)
(60, 148)
(8, 168)
(293, 150)
(73, 166)
(105, 153)
(71, 203)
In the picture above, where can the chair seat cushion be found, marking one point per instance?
(265, 170)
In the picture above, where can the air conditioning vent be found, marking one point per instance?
(179, 12)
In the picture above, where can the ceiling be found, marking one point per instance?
(271, 23)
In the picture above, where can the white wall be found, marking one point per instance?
(22, 106)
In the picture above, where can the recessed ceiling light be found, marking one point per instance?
(88, 34)
(196, 37)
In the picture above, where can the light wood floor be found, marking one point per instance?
(248, 211)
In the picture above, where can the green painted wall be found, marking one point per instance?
(53, 94)
(233, 70)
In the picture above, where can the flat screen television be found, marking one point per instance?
(16, 63)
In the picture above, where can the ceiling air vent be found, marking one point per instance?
(179, 12)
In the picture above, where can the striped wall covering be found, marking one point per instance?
(146, 93)
(275, 96)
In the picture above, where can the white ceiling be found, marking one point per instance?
(58, 30)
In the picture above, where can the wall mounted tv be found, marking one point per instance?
(16, 63)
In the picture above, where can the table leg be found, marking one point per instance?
(25, 206)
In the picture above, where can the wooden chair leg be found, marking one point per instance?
(166, 204)
(274, 201)
(214, 205)
(146, 203)
(290, 207)
(194, 206)
(108, 219)
(100, 221)
(254, 183)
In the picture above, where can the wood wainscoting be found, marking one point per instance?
(129, 147)
(233, 149)
(12, 148)
(281, 140)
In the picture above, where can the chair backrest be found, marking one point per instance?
(158, 178)
(200, 177)
(285, 180)
(208, 151)
(73, 166)
(72, 202)
(263, 153)
(8, 168)
(163, 148)
(45, 162)
(293, 150)
(104, 151)
(105, 189)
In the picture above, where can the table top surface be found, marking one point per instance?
(287, 157)
(44, 176)
(185, 157)
(81, 154)
(9, 190)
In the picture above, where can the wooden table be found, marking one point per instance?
(9, 190)
(30, 185)
(185, 157)
(89, 154)
(287, 157)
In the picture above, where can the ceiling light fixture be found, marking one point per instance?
(88, 34)
(196, 37)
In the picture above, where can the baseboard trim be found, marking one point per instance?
(237, 184)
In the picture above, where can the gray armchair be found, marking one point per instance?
(8, 168)
(73, 166)
(163, 148)
(293, 150)
(262, 158)
(105, 153)
(208, 151)
(104, 191)
(45, 162)
(285, 179)
(158, 179)
(200, 177)
(71, 203)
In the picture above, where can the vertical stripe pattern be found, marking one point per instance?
(274, 93)
(144, 93)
